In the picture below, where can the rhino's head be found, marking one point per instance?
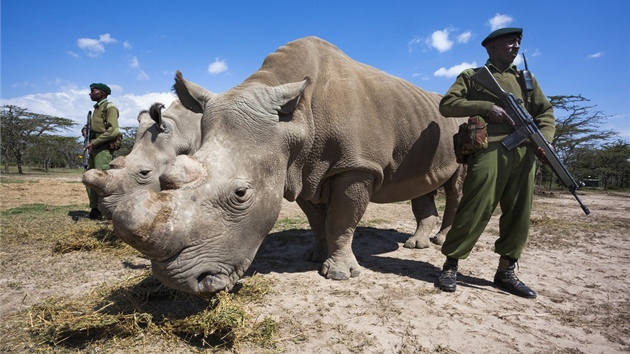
(203, 228)
(159, 139)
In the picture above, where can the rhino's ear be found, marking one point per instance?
(192, 96)
(156, 114)
(287, 96)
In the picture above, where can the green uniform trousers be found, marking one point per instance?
(99, 159)
(495, 176)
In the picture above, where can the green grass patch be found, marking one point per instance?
(62, 228)
(289, 224)
(5, 179)
(31, 171)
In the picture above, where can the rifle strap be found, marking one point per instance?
(521, 81)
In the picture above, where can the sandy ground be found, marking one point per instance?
(578, 264)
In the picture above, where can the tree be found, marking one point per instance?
(55, 151)
(577, 133)
(579, 129)
(21, 129)
(611, 163)
(129, 138)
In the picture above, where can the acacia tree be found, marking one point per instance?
(611, 162)
(579, 128)
(20, 130)
(129, 138)
(55, 151)
(577, 133)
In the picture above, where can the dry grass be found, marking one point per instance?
(139, 307)
(142, 307)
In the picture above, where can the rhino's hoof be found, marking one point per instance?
(340, 275)
(415, 243)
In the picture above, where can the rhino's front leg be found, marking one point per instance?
(316, 215)
(349, 197)
(426, 215)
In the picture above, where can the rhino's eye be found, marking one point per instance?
(145, 172)
(241, 193)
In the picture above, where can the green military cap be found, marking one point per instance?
(502, 32)
(101, 87)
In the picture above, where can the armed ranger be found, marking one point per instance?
(526, 128)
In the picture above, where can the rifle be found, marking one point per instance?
(526, 129)
(86, 141)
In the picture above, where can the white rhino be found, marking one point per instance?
(159, 139)
(312, 126)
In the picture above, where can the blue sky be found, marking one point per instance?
(53, 50)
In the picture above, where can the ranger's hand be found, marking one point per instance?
(499, 115)
(89, 148)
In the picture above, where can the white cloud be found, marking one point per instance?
(95, 47)
(75, 103)
(106, 38)
(91, 46)
(142, 76)
(499, 21)
(596, 55)
(440, 41)
(464, 37)
(454, 70)
(127, 45)
(217, 66)
(134, 62)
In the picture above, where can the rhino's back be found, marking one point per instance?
(364, 118)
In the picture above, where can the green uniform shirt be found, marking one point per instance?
(466, 98)
(104, 123)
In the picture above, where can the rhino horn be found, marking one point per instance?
(184, 171)
(191, 95)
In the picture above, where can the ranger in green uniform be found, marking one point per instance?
(496, 176)
(104, 129)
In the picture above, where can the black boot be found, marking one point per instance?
(506, 279)
(448, 277)
(94, 214)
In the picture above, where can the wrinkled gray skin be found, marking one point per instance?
(159, 139)
(312, 126)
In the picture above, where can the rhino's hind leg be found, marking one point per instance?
(349, 197)
(453, 192)
(426, 216)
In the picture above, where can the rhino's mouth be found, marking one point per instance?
(109, 203)
(207, 280)
(209, 283)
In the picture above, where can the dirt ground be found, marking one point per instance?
(578, 264)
